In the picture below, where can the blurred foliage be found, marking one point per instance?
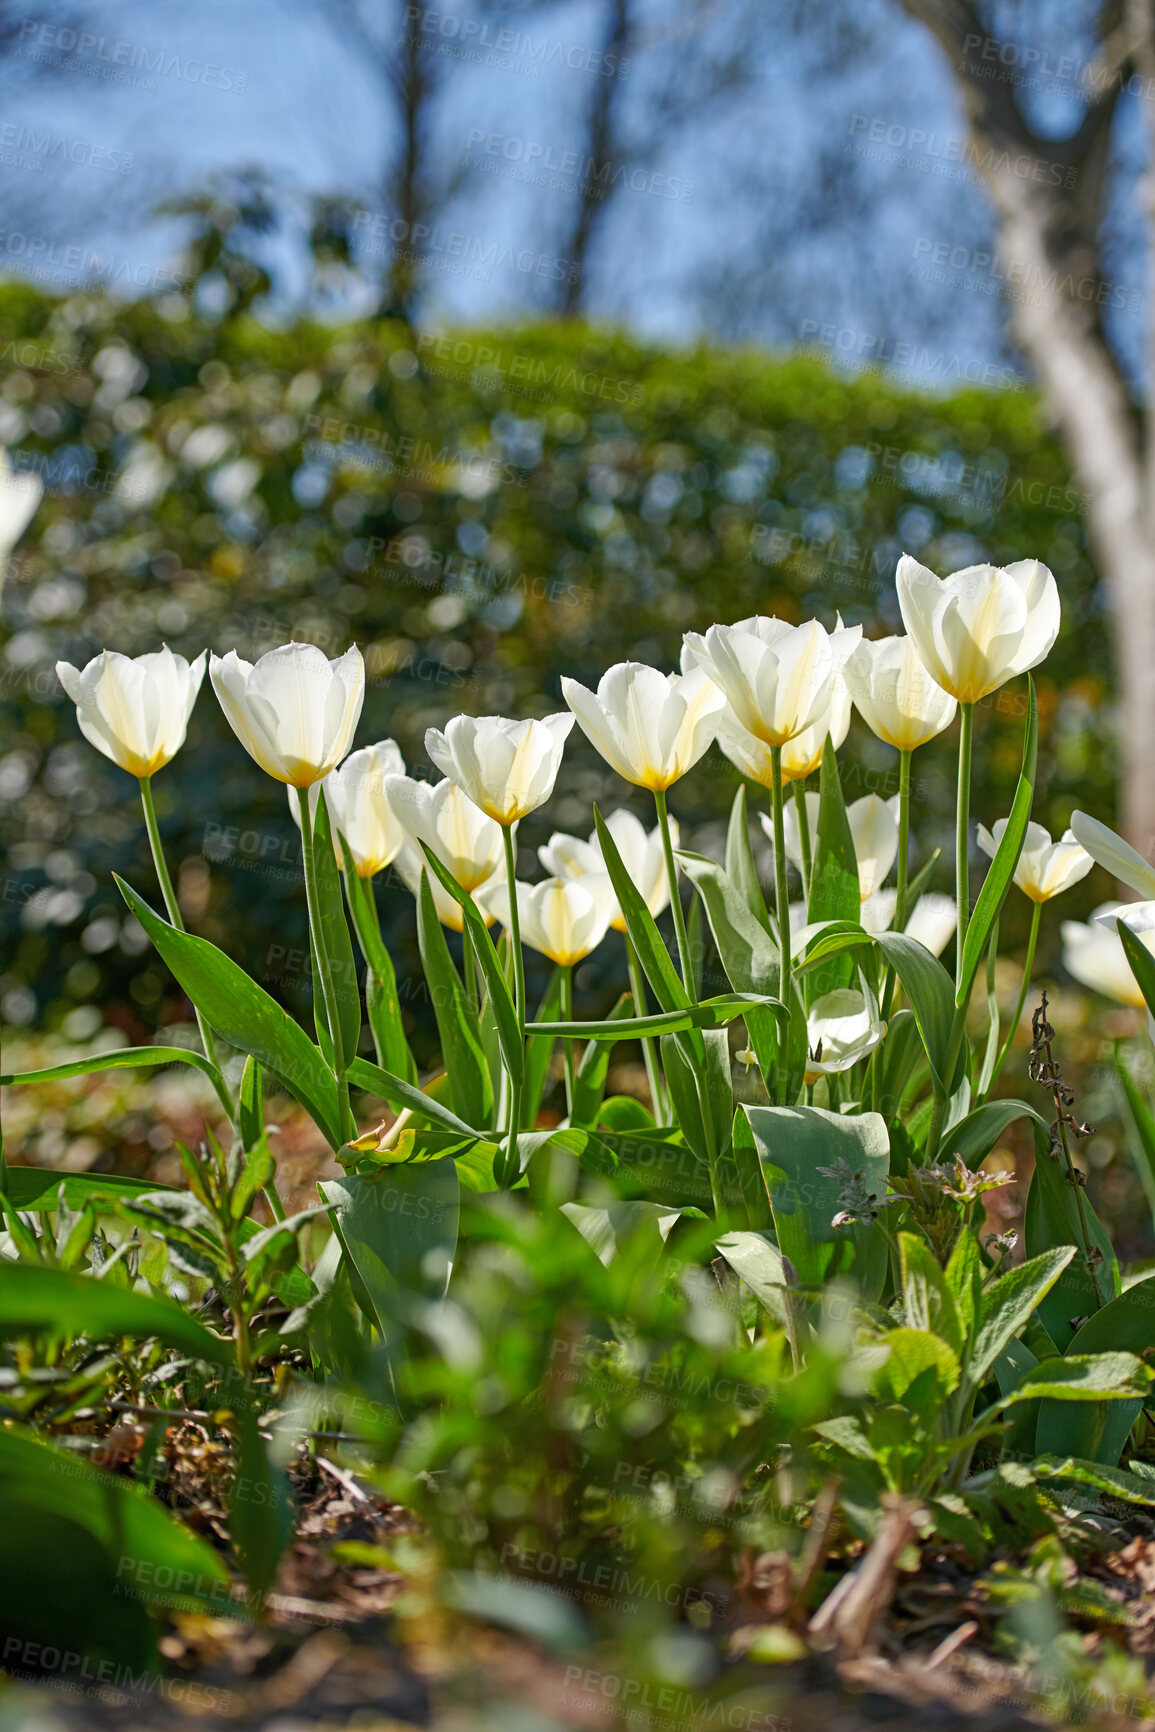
(481, 513)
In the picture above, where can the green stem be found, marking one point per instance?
(961, 834)
(324, 962)
(803, 836)
(782, 899)
(512, 1164)
(470, 961)
(675, 898)
(1028, 964)
(899, 921)
(649, 1050)
(567, 1044)
(174, 914)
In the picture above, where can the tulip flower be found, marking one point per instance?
(1119, 858)
(872, 828)
(650, 727)
(1045, 868)
(464, 840)
(1093, 954)
(294, 711)
(359, 807)
(506, 768)
(563, 918)
(641, 852)
(973, 632)
(982, 626)
(20, 491)
(777, 677)
(134, 709)
(841, 1027)
(801, 756)
(895, 696)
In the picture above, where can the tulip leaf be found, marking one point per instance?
(251, 1105)
(1142, 1124)
(1096, 1433)
(399, 1232)
(334, 936)
(260, 1504)
(124, 1058)
(742, 1171)
(36, 1299)
(929, 991)
(741, 869)
(244, 1014)
(382, 1004)
(834, 888)
(500, 997)
(1140, 961)
(539, 1050)
(401, 1095)
(749, 954)
(1002, 868)
(592, 1071)
(793, 1144)
(656, 1163)
(37, 1189)
(470, 1089)
(711, 1013)
(973, 1138)
(642, 928)
(1057, 1215)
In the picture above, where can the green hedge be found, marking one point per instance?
(481, 512)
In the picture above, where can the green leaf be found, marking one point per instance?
(260, 1505)
(382, 1004)
(1115, 1377)
(401, 1095)
(643, 931)
(929, 991)
(608, 1228)
(657, 1165)
(36, 1189)
(928, 1300)
(500, 996)
(974, 1137)
(1008, 1306)
(711, 1013)
(35, 1300)
(964, 1277)
(539, 1051)
(1142, 1125)
(748, 1175)
(793, 1143)
(834, 886)
(1141, 961)
(593, 1069)
(334, 935)
(1056, 1216)
(244, 1014)
(470, 1089)
(740, 867)
(749, 955)
(759, 1263)
(1126, 1323)
(1002, 868)
(913, 1353)
(399, 1232)
(250, 1105)
(121, 1058)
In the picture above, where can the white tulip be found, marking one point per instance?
(873, 829)
(563, 918)
(1045, 868)
(294, 711)
(1093, 954)
(977, 629)
(506, 768)
(778, 678)
(134, 709)
(801, 756)
(20, 493)
(931, 921)
(359, 808)
(1119, 858)
(465, 841)
(569, 857)
(894, 694)
(650, 727)
(841, 1027)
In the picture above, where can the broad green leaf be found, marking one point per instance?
(976, 1135)
(1095, 1377)
(1141, 961)
(913, 1354)
(1008, 1306)
(260, 1505)
(1126, 1323)
(1142, 1125)
(740, 867)
(470, 1089)
(382, 1004)
(244, 1014)
(929, 991)
(748, 953)
(760, 1264)
(749, 1178)
(964, 1277)
(35, 1189)
(334, 936)
(606, 1229)
(1056, 1216)
(834, 886)
(400, 1095)
(251, 1105)
(1002, 868)
(399, 1231)
(1114, 1482)
(497, 984)
(121, 1058)
(656, 1165)
(647, 940)
(35, 1300)
(793, 1143)
(711, 1013)
(927, 1298)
